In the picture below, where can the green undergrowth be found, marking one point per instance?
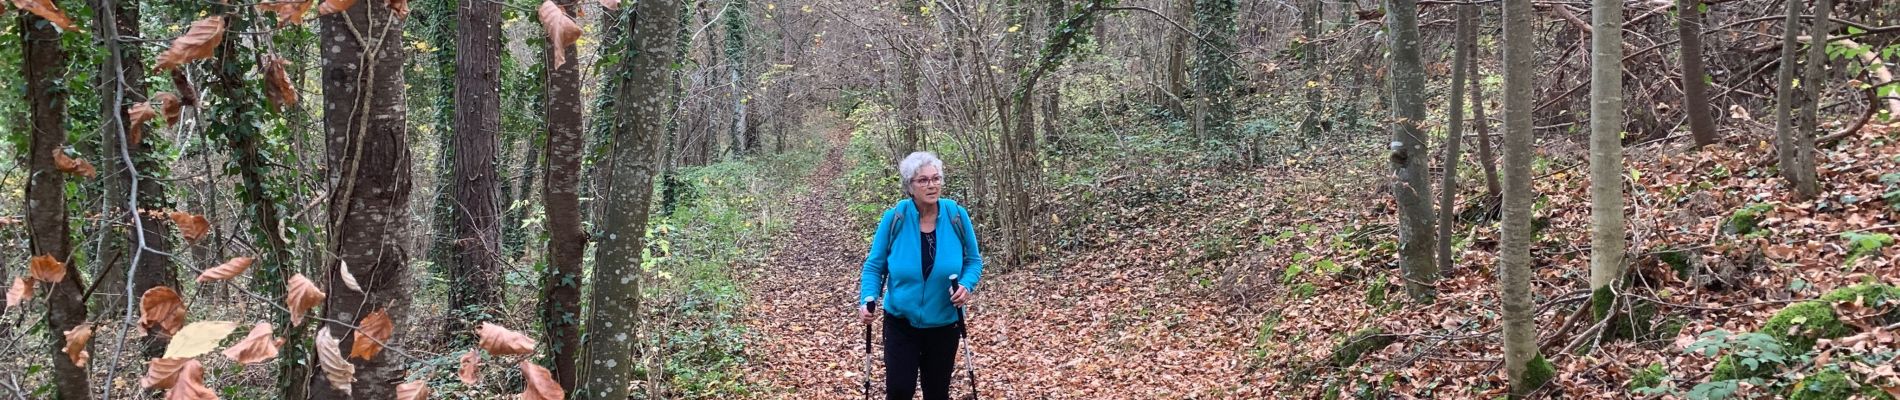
(726, 215)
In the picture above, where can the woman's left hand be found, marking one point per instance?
(959, 296)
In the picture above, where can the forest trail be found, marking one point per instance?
(1128, 332)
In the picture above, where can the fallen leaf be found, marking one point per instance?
(47, 269)
(138, 116)
(192, 226)
(161, 309)
(503, 342)
(334, 6)
(371, 334)
(198, 43)
(610, 4)
(257, 347)
(336, 369)
(562, 31)
(226, 271)
(76, 339)
(282, 94)
(413, 390)
(47, 10)
(22, 289)
(73, 166)
(170, 106)
(191, 384)
(301, 296)
(540, 383)
(471, 370)
(161, 373)
(198, 338)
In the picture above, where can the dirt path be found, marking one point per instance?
(1102, 328)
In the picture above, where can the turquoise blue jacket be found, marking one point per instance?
(893, 271)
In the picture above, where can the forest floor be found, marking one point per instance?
(1034, 336)
(1165, 281)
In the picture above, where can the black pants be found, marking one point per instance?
(910, 350)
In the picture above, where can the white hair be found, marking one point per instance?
(915, 161)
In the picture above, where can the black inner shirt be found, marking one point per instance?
(930, 252)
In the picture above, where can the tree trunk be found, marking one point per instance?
(474, 270)
(1606, 143)
(1214, 67)
(122, 73)
(1695, 88)
(48, 231)
(1486, 157)
(233, 119)
(1182, 11)
(1413, 191)
(737, 22)
(1801, 172)
(910, 75)
(1448, 190)
(561, 301)
(646, 65)
(1310, 16)
(1784, 94)
(367, 153)
(1520, 331)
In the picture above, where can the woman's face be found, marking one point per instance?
(927, 185)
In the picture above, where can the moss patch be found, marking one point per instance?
(1747, 219)
(1648, 377)
(1632, 325)
(1375, 293)
(1871, 295)
(1537, 372)
(1832, 384)
(1801, 324)
(1365, 341)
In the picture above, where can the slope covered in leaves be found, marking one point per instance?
(1178, 280)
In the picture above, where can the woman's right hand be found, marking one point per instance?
(864, 314)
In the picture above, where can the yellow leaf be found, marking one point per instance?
(198, 338)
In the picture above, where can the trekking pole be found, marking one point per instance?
(870, 305)
(969, 357)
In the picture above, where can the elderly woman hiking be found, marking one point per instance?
(924, 264)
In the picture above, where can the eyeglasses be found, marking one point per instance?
(926, 180)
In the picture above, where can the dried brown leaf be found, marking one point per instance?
(47, 269)
(182, 83)
(257, 347)
(336, 369)
(283, 95)
(198, 43)
(562, 31)
(73, 166)
(503, 342)
(21, 290)
(540, 383)
(191, 384)
(471, 370)
(334, 6)
(47, 10)
(76, 340)
(137, 117)
(413, 390)
(170, 106)
(371, 334)
(226, 271)
(301, 296)
(160, 309)
(192, 226)
(610, 4)
(400, 7)
(198, 338)
(161, 373)
(288, 11)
